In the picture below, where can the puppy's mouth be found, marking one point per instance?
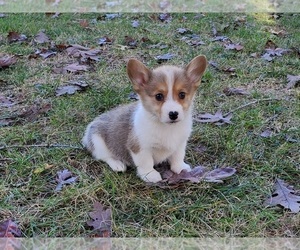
(172, 122)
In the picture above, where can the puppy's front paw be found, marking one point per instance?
(152, 176)
(178, 168)
(116, 165)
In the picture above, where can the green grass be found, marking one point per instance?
(234, 208)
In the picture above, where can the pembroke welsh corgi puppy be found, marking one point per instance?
(155, 128)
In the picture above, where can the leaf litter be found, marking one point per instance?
(228, 70)
(83, 53)
(272, 51)
(7, 60)
(41, 37)
(15, 37)
(196, 175)
(284, 195)
(218, 118)
(28, 114)
(235, 91)
(101, 220)
(70, 68)
(164, 57)
(292, 81)
(64, 177)
(9, 229)
(72, 88)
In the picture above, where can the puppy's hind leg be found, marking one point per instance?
(101, 152)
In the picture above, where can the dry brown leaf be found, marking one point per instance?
(71, 68)
(41, 37)
(64, 177)
(83, 53)
(15, 37)
(71, 89)
(217, 118)
(292, 81)
(6, 61)
(233, 46)
(101, 220)
(266, 133)
(284, 195)
(196, 175)
(9, 229)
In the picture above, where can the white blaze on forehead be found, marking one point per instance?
(169, 75)
(170, 105)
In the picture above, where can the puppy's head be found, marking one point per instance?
(167, 92)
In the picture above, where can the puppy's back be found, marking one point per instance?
(114, 127)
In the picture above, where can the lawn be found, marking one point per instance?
(40, 131)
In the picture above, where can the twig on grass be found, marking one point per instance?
(251, 103)
(40, 146)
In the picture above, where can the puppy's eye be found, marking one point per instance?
(159, 97)
(181, 95)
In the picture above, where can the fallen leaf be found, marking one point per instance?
(270, 45)
(39, 170)
(285, 196)
(233, 46)
(130, 42)
(32, 112)
(44, 53)
(41, 37)
(64, 177)
(158, 46)
(292, 81)
(15, 37)
(193, 40)
(28, 114)
(197, 174)
(278, 32)
(221, 38)
(271, 53)
(101, 220)
(83, 53)
(217, 118)
(235, 91)
(9, 229)
(135, 23)
(219, 174)
(267, 133)
(104, 40)
(164, 57)
(183, 31)
(254, 55)
(165, 17)
(6, 61)
(73, 68)
(71, 89)
(112, 16)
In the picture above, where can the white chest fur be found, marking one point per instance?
(161, 139)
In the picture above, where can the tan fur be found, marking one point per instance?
(146, 133)
(117, 123)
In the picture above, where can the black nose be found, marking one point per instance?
(173, 115)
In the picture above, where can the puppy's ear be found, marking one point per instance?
(138, 73)
(195, 69)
